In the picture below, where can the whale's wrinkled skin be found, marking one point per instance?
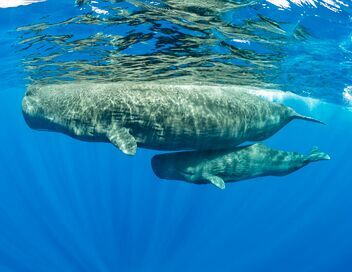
(155, 116)
(220, 166)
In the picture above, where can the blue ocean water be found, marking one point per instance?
(67, 205)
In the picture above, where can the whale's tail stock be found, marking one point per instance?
(307, 118)
(316, 155)
(294, 115)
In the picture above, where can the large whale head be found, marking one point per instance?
(33, 110)
(165, 169)
(178, 166)
(41, 110)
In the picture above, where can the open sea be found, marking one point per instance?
(69, 205)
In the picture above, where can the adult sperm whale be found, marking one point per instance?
(155, 116)
(220, 166)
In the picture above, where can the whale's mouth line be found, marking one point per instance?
(36, 123)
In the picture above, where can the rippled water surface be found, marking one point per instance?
(303, 47)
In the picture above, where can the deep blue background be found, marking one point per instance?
(67, 205)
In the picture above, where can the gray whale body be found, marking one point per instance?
(220, 166)
(155, 116)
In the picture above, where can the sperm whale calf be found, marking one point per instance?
(220, 166)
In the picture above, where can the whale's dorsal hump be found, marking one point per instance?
(122, 139)
(217, 181)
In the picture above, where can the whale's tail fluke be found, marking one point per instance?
(316, 155)
(307, 118)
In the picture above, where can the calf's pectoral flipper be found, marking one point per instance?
(122, 139)
(217, 181)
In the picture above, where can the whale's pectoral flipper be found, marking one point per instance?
(217, 181)
(122, 139)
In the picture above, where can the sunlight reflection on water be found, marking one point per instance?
(230, 42)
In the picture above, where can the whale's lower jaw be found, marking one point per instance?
(38, 123)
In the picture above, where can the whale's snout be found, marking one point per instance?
(172, 166)
(32, 111)
(159, 168)
(163, 168)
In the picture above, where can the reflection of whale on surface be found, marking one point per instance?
(155, 116)
(220, 166)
